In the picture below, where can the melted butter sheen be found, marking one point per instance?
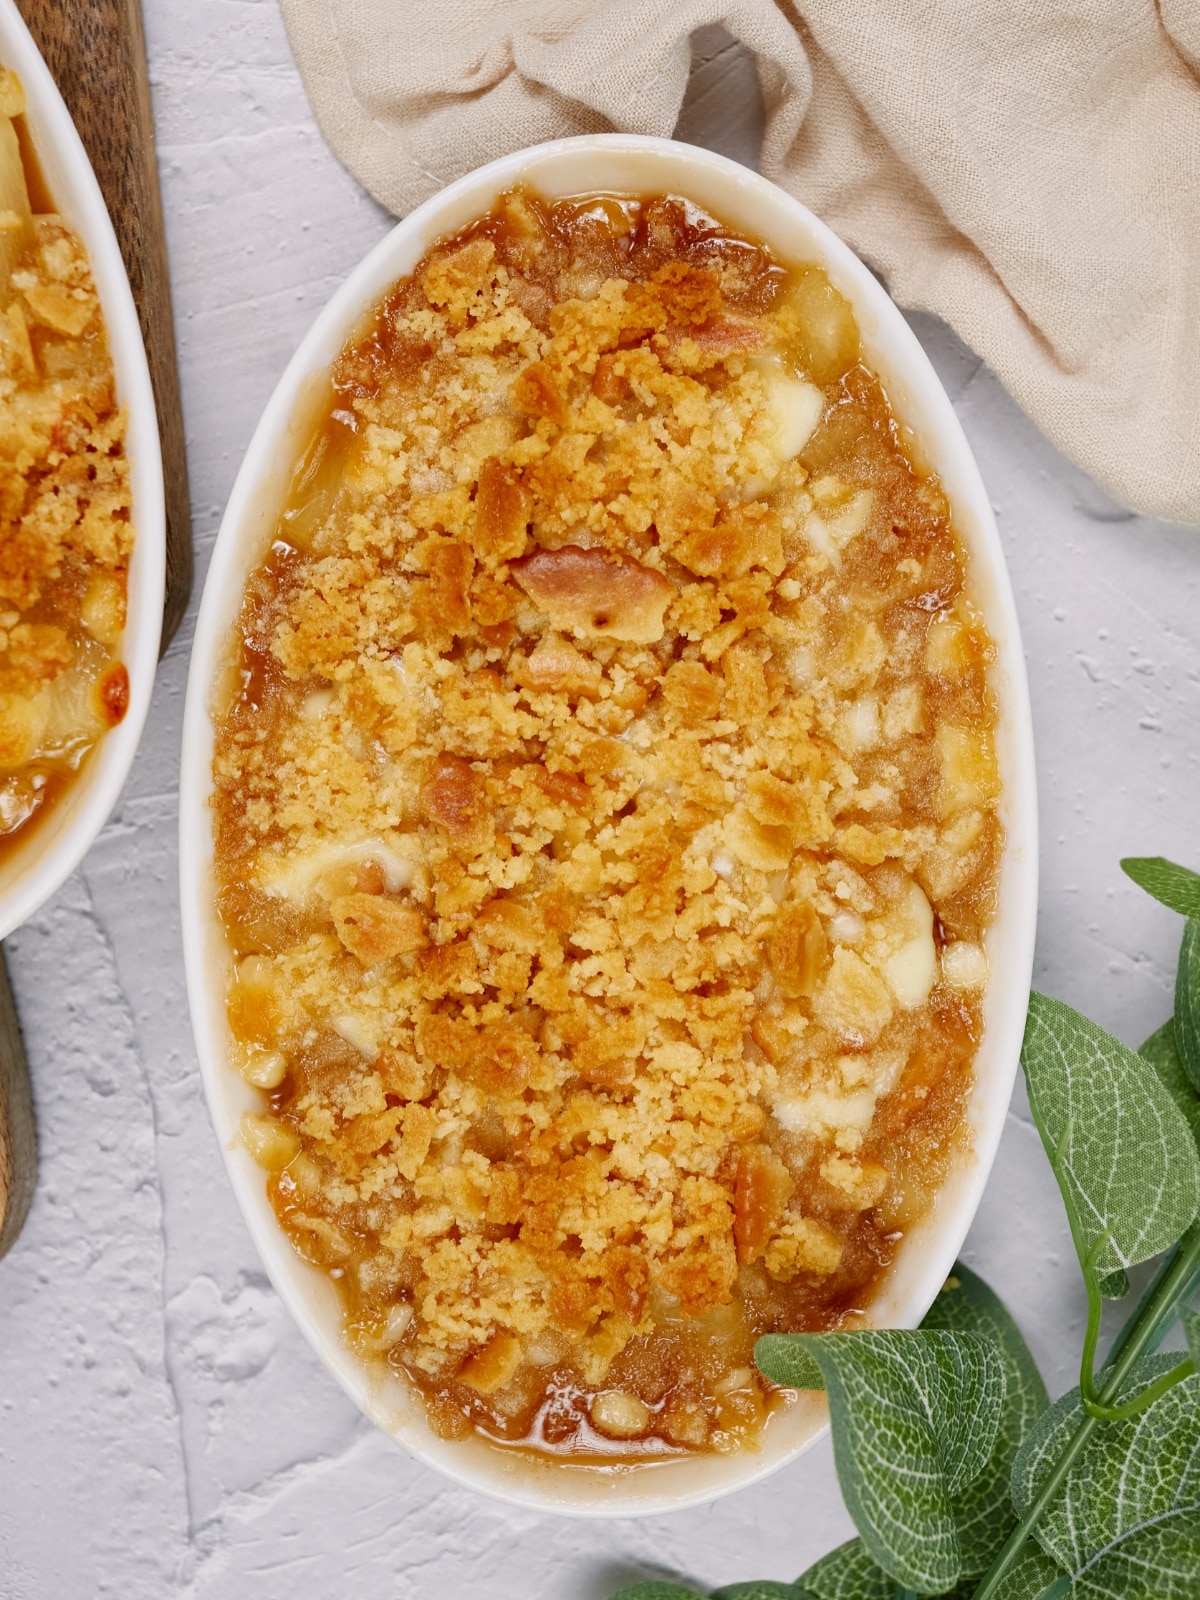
(606, 830)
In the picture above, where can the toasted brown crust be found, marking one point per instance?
(597, 594)
(502, 511)
(454, 797)
(377, 929)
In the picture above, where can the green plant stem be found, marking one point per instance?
(1141, 1334)
(1091, 1337)
(1147, 1397)
(1093, 1400)
(1166, 1266)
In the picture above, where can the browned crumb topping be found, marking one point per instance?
(65, 532)
(606, 828)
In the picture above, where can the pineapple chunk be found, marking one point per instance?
(103, 608)
(854, 1002)
(295, 876)
(16, 221)
(908, 958)
(965, 966)
(796, 409)
(22, 725)
(619, 1414)
(271, 1142)
(12, 95)
(956, 642)
(824, 334)
(842, 513)
(970, 777)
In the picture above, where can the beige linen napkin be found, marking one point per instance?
(1027, 169)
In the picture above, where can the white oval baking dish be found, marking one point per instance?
(36, 867)
(740, 199)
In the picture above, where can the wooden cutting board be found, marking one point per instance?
(18, 1139)
(96, 51)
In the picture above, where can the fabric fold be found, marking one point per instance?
(1031, 174)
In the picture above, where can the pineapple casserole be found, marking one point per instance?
(65, 529)
(606, 829)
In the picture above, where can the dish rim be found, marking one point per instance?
(924, 1260)
(39, 865)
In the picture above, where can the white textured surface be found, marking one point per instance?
(163, 1430)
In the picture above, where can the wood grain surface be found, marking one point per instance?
(18, 1138)
(96, 50)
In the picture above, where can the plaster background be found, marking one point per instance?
(164, 1431)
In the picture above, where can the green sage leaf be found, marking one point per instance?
(1176, 887)
(915, 1417)
(1187, 1002)
(654, 1589)
(1030, 1577)
(848, 1573)
(1162, 1052)
(983, 1511)
(1126, 1522)
(792, 1362)
(1121, 1150)
(760, 1589)
(1158, 1560)
(1132, 1474)
(1054, 1429)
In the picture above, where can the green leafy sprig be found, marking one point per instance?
(962, 1480)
